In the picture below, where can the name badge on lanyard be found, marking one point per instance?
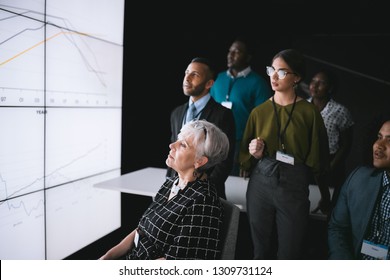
(282, 155)
(227, 104)
(286, 158)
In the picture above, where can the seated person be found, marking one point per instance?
(184, 221)
(359, 224)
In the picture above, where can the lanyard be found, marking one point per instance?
(231, 83)
(282, 133)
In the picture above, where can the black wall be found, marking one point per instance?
(349, 36)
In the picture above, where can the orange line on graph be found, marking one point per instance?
(36, 45)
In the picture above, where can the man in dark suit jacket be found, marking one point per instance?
(198, 79)
(359, 224)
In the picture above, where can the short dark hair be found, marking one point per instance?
(370, 134)
(332, 79)
(248, 42)
(207, 62)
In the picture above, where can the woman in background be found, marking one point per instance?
(338, 122)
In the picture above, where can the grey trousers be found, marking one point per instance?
(278, 203)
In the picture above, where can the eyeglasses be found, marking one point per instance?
(281, 73)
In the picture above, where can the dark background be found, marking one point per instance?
(351, 37)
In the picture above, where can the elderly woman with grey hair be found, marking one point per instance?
(184, 221)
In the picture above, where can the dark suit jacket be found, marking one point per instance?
(221, 117)
(352, 213)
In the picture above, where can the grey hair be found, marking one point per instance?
(209, 141)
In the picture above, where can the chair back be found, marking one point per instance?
(229, 229)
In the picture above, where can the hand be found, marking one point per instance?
(243, 173)
(256, 147)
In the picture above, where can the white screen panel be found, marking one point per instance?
(60, 118)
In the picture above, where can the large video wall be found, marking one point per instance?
(60, 122)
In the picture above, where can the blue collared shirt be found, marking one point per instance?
(199, 105)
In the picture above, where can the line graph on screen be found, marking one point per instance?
(60, 120)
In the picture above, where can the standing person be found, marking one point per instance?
(338, 122)
(359, 227)
(198, 79)
(240, 89)
(284, 141)
(184, 221)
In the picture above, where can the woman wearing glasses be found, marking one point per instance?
(284, 141)
(184, 220)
